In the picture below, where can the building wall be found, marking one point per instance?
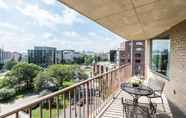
(138, 52)
(175, 88)
(42, 56)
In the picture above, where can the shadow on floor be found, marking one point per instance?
(177, 112)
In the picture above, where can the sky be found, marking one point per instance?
(28, 23)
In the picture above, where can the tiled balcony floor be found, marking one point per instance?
(114, 110)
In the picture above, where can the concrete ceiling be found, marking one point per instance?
(132, 19)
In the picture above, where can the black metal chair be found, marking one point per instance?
(141, 110)
(158, 87)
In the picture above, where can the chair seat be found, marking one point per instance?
(154, 95)
(142, 110)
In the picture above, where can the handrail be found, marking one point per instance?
(59, 92)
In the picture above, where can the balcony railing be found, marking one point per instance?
(82, 100)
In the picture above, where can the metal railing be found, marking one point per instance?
(81, 100)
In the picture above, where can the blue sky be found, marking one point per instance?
(28, 23)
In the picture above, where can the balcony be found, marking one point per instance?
(98, 97)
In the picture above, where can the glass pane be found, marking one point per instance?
(160, 56)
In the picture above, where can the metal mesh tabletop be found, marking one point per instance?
(141, 90)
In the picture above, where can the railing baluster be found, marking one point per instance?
(70, 115)
(90, 95)
(97, 95)
(50, 111)
(75, 102)
(79, 101)
(84, 100)
(64, 105)
(87, 99)
(17, 114)
(30, 112)
(94, 97)
(41, 110)
(57, 106)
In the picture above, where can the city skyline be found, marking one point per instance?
(25, 24)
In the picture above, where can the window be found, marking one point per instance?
(160, 56)
(139, 49)
(137, 61)
(139, 43)
(137, 55)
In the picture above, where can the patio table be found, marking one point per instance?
(136, 92)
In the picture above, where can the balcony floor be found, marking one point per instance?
(114, 110)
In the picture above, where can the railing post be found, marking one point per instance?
(17, 114)
(30, 112)
(87, 97)
(50, 108)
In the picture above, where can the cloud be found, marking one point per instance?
(3, 4)
(49, 2)
(43, 17)
(70, 17)
(46, 18)
(9, 26)
(70, 34)
(64, 20)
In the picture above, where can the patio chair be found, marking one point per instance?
(141, 110)
(158, 87)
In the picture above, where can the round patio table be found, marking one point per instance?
(136, 92)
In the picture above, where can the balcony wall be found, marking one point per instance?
(175, 89)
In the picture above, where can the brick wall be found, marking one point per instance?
(175, 89)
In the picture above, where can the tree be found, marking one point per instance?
(44, 81)
(6, 93)
(82, 75)
(62, 72)
(89, 59)
(23, 73)
(10, 64)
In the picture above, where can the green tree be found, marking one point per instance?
(62, 72)
(44, 81)
(89, 59)
(10, 64)
(82, 75)
(23, 74)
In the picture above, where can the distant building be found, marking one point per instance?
(121, 57)
(102, 56)
(113, 56)
(42, 56)
(138, 55)
(5, 56)
(17, 56)
(67, 56)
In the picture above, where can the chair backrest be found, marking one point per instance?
(156, 84)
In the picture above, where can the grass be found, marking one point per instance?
(36, 113)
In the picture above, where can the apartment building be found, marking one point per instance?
(5, 56)
(43, 56)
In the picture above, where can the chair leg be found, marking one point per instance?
(162, 104)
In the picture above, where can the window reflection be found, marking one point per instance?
(160, 56)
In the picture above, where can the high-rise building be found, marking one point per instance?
(59, 57)
(42, 56)
(138, 55)
(113, 56)
(5, 56)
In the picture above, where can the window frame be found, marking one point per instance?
(167, 77)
